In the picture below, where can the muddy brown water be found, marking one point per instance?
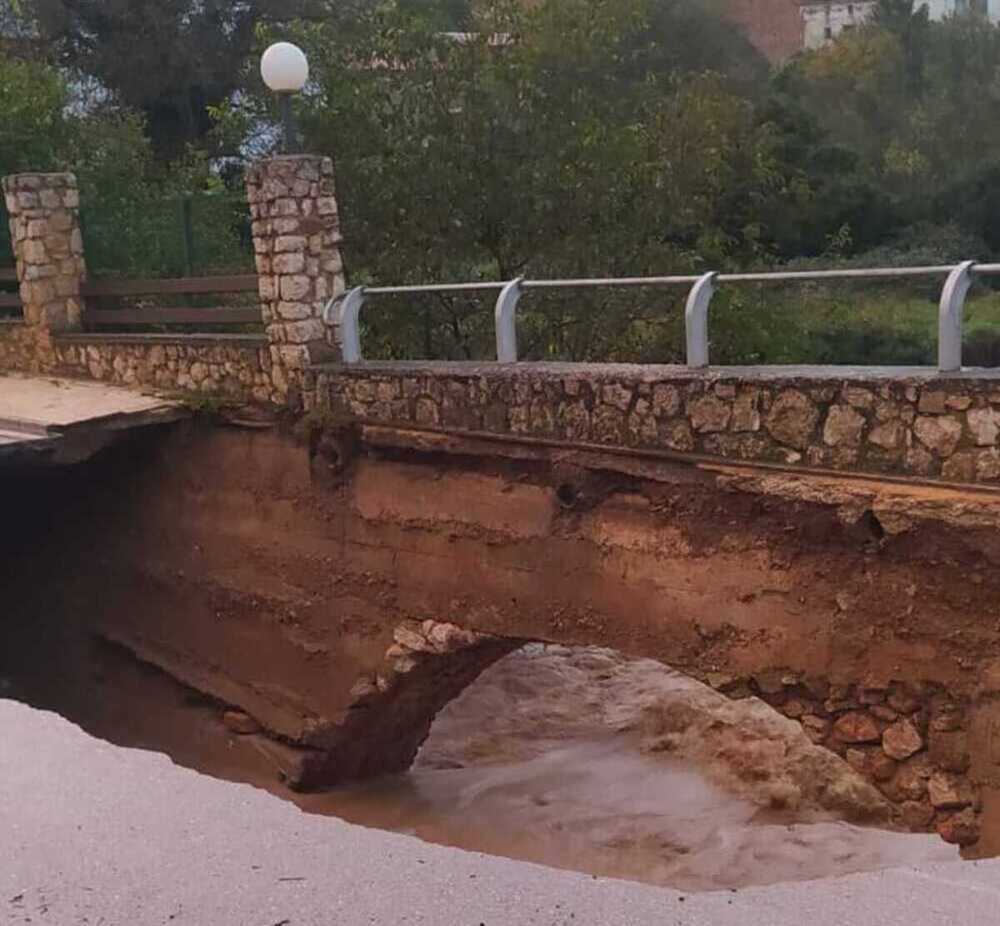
(573, 758)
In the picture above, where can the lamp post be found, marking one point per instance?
(285, 71)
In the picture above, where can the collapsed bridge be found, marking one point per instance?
(339, 548)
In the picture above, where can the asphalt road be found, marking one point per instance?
(93, 834)
(69, 420)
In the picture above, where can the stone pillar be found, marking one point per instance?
(296, 236)
(48, 248)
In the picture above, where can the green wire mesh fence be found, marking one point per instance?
(189, 235)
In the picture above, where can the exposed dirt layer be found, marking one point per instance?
(274, 573)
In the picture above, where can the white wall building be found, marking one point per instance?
(825, 21)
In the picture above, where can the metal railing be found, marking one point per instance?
(344, 311)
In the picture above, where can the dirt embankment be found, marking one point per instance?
(220, 556)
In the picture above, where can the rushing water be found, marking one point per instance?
(577, 759)
(559, 756)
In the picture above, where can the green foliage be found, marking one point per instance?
(158, 233)
(922, 149)
(132, 220)
(641, 137)
(568, 138)
(169, 60)
(909, 23)
(133, 215)
(32, 100)
(593, 142)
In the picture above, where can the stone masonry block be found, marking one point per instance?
(297, 265)
(49, 252)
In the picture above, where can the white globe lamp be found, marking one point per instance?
(285, 70)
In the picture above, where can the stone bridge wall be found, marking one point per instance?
(910, 740)
(232, 367)
(296, 241)
(903, 422)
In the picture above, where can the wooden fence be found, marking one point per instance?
(98, 293)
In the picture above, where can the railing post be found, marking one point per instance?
(950, 314)
(342, 313)
(506, 321)
(696, 320)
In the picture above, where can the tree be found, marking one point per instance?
(170, 60)
(32, 98)
(32, 101)
(910, 156)
(591, 139)
(130, 200)
(454, 15)
(910, 24)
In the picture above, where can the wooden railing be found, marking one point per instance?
(97, 292)
(9, 298)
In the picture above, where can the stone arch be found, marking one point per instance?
(392, 709)
(909, 740)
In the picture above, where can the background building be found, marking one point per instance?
(823, 22)
(774, 26)
(781, 28)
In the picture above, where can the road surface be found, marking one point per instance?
(47, 420)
